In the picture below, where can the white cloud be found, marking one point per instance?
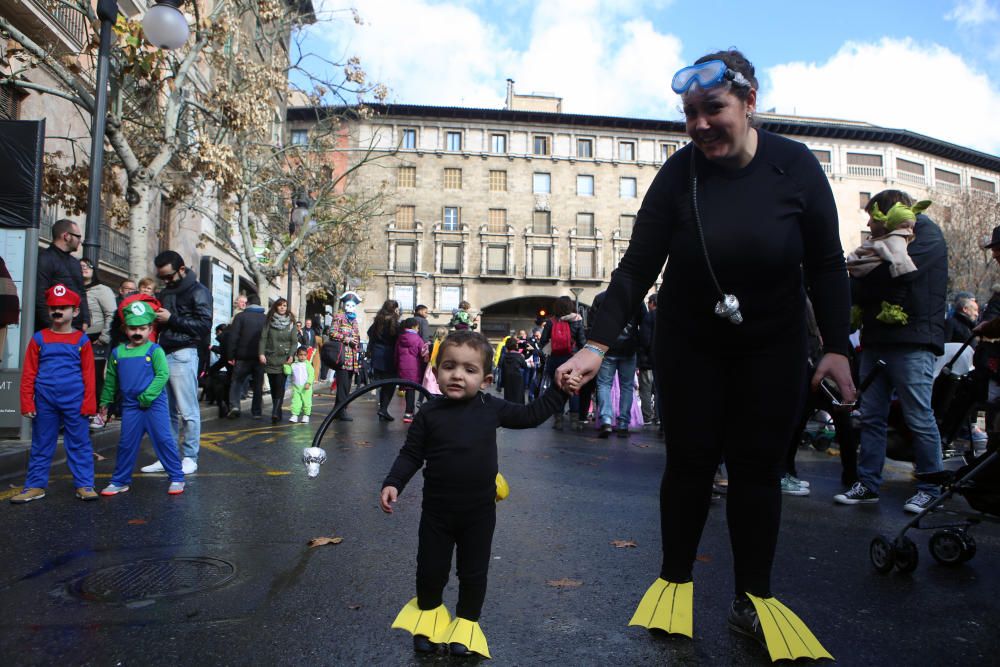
(972, 13)
(924, 88)
(598, 55)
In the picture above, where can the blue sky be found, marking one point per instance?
(931, 66)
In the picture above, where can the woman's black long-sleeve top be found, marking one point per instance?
(456, 442)
(766, 226)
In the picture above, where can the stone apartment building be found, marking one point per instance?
(510, 208)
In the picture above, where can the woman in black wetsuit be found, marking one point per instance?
(746, 213)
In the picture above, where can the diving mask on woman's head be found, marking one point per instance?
(707, 75)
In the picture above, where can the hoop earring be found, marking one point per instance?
(749, 115)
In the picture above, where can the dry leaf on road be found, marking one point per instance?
(564, 583)
(640, 446)
(703, 558)
(622, 544)
(137, 522)
(320, 541)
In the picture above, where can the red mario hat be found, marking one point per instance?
(60, 295)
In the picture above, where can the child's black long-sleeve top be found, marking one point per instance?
(456, 442)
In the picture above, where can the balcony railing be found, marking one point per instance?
(69, 20)
(114, 248)
(915, 179)
(827, 168)
(865, 171)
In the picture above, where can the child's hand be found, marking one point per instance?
(389, 495)
(308, 386)
(30, 415)
(104, 413)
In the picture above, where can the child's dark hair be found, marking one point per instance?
(409, 323)
(511, 343)
(302, 349)
(886, 199)
(472, 339)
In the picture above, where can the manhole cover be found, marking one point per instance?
(152, 578)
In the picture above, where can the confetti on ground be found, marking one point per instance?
(320, 541)
(564, 583)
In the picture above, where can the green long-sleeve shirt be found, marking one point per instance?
(140, 372)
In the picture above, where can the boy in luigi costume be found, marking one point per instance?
(139, 369)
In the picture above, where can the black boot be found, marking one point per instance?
(422, 644)
(459, 650)
(384, 416)
(344, 417)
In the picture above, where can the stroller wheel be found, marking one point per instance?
(952, 547)
(906, 554)
(881, 554)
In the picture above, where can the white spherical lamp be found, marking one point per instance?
(165, 25)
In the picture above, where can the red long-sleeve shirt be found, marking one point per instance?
(56, 370)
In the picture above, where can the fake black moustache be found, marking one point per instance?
(56, 314)
(136, 336)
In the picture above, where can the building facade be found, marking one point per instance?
(508, 209)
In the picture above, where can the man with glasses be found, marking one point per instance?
(56, 265)
(184, 321)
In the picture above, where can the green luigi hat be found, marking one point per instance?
(138, 313)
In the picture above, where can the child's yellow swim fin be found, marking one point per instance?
(785, 635)
(667, 606)
(466, 633)
(424, 622)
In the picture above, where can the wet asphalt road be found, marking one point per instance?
(250, 511)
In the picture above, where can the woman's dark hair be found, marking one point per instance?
(562, 306)
(886, 199)
(387, 318)
(736, 61)
(409, 323)
(274, 308)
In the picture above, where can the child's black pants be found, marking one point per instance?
(441, 532)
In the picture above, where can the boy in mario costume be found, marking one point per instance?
(139, 368)
(57, 389)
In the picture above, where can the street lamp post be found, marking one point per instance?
(167, 28)
(576, 297)
(299, 216)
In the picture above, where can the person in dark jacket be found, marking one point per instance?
(514, 365)
(620, 360)
(184, 322)
(959, 326)
(563, 309)
(382, 335)
(243, 352)
(644, 362)
(56, 265)
(908, 351)
(420, 314)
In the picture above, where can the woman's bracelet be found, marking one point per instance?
(593, 348)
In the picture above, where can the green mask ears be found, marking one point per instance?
(899, 213)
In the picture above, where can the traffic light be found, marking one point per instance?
(540, 317)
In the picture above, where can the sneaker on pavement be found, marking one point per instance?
(156, 466)
(97, 423)
(858, 493)
(605, 431)
(86, 493)
(790, 487)
(918, 503)
(305, 419)
(233, 414)
(407, 418)
(294, 419)
(622, 431)
(27, 495)
(176, 488)
(801, 482)
(113, 489)
(743, 619)
(189, 465)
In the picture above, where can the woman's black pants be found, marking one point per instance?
(343, 385)
(385, 393)
(734, 403)
(277, 383)
(470, 533)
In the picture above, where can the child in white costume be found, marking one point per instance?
(302, 376)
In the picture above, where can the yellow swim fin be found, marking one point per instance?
(786, 636)
(465, 632)
(667, 606)
(503, 489)
(426, 622)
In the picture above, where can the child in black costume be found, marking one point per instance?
(454, 437)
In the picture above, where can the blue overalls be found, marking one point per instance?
(58, 400)
(134, 375)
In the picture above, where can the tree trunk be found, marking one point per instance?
(139, 229)
(263, 287)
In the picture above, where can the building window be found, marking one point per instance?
(300, 137)
(864, 164)
(406, 177)
(498, 143)
(626, 150)
(585, 224)
(404, 217)
(626, 187)
(496, 259)
(909, 166)
(496, 220)
(823, 157)
(585, 148)
(540, 145)
(541, 184)
(451, 258)
(586, 263)
(409, 139)
(625, 224)
(404, 296)
(450, 297)
(10, 103)
(863, 199)
(541, 223)
(406, 258)
(454, 140)
(541, 261)
(982, 185)
(498, 180)
(452, 179)
(451, 219)
(948, 178)
(585, 186)
(666, 150)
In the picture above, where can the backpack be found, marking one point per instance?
(562, 340)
